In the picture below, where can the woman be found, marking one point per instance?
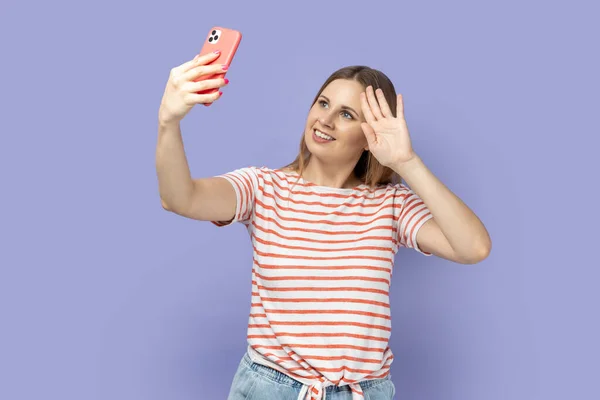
(325, 230)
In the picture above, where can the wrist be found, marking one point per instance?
(168, 122)
(165, 117)
(405, 167)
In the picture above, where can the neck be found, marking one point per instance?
(330, 175)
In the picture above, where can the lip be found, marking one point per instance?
(317, 139)
(322, 131)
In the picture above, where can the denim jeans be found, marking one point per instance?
(253, 381)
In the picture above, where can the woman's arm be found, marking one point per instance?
(455, 232)
(205, 199)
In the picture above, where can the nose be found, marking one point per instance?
(326, 119)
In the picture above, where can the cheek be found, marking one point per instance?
(357, 137)
(312, 116)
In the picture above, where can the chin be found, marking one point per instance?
(313, 147)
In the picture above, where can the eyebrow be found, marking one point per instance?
(343, 107)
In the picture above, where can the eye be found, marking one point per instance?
(348, 114)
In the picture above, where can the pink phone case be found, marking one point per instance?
(225, 40)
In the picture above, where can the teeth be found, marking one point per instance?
(322, 135)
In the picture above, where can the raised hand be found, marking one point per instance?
(181, 92)
(387, 136)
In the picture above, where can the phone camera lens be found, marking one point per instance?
(210, 39)
(216, 37)
(214, 32)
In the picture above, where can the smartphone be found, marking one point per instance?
(225, 40)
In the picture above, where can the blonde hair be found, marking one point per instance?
(367, 169)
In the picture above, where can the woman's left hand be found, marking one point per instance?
(387, 136)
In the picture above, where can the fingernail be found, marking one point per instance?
(225, 67)
(220, 94)
(226, 81)
(217, 52)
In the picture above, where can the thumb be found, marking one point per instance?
(369, 134)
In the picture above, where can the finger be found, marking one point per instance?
(369, 134)
(400, 107)
(204, 59)
(369, 117)
(197, 60)
(194, 98)
(383, 104)
(186, 65)
(373, 103)
(219, 96)
(206, 84)
(200, 70)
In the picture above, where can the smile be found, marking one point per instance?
(324, 137)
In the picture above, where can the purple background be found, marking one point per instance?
(104, 295)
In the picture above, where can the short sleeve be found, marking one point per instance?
(245, 183)
(410, 215)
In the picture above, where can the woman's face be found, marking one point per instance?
(333, 131)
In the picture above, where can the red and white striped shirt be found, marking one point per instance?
(321, 274)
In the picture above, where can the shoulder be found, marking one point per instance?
(253, 170)
(391, 190)
(399, 190)
(284, 176)
(270, 176)
(395, 195)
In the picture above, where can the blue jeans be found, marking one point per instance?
(253, 381)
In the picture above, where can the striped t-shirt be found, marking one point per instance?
(321, 274)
